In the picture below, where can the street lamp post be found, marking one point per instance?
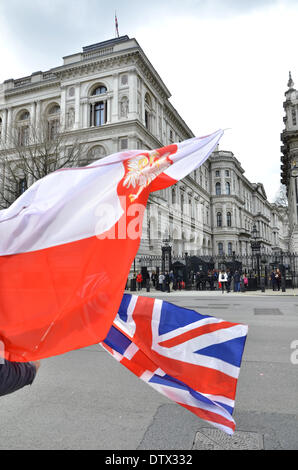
(166, 261)
(256, 250)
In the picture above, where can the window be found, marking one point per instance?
(230, 252)
(23, 128)
(124, 143)
(24, 116)
(0, 128)
(182, 203)
(99, 90)
(147, 119)
(219, 219)
(217, 173)
(173, 196)
(229, 219)
(53, 121)
(53, 129)
(227, 172)
(22, 186)
(294, 121)
(218, 189)
(220, 249)
(98, 114)
(148, 112)
(228, 188)
(23, 136)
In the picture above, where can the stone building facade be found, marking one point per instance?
(110, 97)
(289, 160)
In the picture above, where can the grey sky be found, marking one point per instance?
(226, 62)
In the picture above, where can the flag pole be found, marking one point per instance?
(116, 26)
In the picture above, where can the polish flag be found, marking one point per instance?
(67, 245)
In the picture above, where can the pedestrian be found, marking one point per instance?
(199, 281)
(222, 279)
(139, 281)
(236, 281)
(273, 280)
(16, 375)
(229, 280)
(278, 279)
(167, 282)
(172, 278)
(245, 282)
(160, 281)
(153, 278)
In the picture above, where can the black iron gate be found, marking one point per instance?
(257, 268)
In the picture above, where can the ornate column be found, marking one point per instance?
(4, 125)
(63, 123)
(77, 106)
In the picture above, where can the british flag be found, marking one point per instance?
(192, 359)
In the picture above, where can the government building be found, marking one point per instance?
(289, 160)
(110, 98)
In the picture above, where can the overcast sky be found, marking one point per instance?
(225, 62)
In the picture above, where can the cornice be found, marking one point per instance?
(32, 87)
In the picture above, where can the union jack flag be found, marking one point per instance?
(192, 359)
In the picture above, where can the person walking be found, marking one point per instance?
(223, 279)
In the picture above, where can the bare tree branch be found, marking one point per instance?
(31, 152)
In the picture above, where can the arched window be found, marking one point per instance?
(24, 116)
(229, 219)
(100, 90)
(53, 121)
(230, 252)
(98, 109)
(218, 189)
(228, 188)
(23, 122)
(220, 248)
(219, 219)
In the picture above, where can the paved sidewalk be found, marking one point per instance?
(187, 293)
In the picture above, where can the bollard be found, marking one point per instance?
(262, 284)
(133, 284)
(148, 285)
(283, 284)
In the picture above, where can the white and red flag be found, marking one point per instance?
(67, 245)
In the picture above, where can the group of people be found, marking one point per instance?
(225, 279)
(162, 281)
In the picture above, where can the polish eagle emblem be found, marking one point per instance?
(143, 169)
